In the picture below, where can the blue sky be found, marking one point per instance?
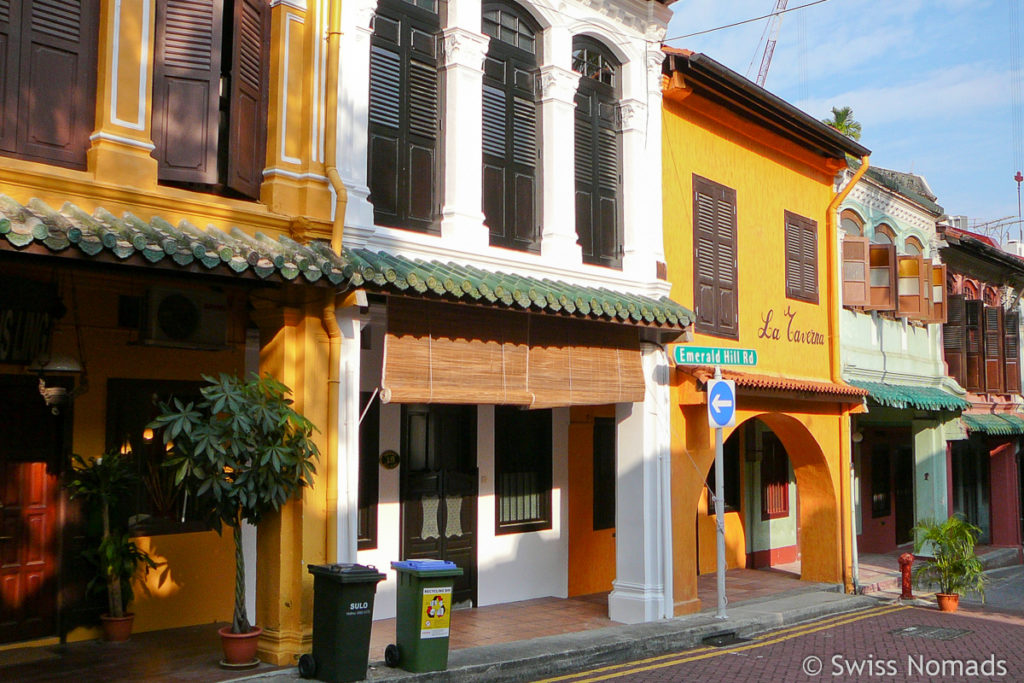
(929, 81)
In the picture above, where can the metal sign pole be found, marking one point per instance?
(720, 517)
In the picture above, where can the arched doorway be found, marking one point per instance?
(780, 501)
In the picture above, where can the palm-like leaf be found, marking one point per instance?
(842, 120)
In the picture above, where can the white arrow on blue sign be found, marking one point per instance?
(721, 402)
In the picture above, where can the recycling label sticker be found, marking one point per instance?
(435, 617)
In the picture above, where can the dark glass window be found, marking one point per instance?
(522, 469)
(731, 464)
(369, 472)
(604, 473)
(157, 506)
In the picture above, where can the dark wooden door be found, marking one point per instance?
(903, 490)
(30, 451)
(439, 489)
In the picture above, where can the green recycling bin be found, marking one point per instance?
(423, 619)
(342, 617)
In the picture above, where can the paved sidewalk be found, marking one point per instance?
(551, 655)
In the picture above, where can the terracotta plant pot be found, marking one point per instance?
(117, 629)
(948, 602)
(239, 648)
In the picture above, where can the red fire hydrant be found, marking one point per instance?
(906, 559)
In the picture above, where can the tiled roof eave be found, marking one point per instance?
(911, 396)
(773, 383)
(128, 240)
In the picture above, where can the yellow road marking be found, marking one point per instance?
(703, 652)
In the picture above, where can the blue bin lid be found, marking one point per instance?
(423, 565)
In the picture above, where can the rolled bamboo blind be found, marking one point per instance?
(446, 353)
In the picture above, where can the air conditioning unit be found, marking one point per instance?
(186, 318)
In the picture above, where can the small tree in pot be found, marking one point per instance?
(954, 566)
(102, 483)
(245, 452)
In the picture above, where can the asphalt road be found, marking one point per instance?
(886, 643)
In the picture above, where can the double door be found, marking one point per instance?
(439, 490)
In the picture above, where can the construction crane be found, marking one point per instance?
(769, 46)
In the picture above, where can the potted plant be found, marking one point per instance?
(101, 483)
(243, 452)
(954, 566)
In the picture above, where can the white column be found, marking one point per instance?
(462, 217)
(353, 108)
(348, 434)
(929, 470)
(559, 241)
(642, 438)
(640, 123)
(252, 364)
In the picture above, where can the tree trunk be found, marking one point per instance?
(240, 621)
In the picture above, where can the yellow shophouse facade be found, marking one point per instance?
(750, 240)
(164, 183)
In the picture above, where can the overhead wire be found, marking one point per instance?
(747, 21)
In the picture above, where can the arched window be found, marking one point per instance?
(851, 223)
(597, 153)
(510, 127)
(970, 290)
(913, 246)
(403, 114)
(883, 235)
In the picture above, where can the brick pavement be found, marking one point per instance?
(850, 648)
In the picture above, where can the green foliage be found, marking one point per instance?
(243, 449)
(102, 483)
(842, 120)
(954, 567)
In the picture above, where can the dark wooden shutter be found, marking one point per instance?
(715, 263)
(855, 271)
(801, 238)
(49, 79)
(993, 347)
(510, 143)
(974, 375)
(10, 40)
(882, 277)
(598, 166)
(186, 89)
(954, 338)
(1011, 350)
(403, 116)
(247, 117)
(369, 470)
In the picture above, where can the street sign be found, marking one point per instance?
(721, 402)
(684, 354)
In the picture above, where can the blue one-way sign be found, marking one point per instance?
(721, 402)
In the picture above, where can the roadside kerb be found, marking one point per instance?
(553, 655)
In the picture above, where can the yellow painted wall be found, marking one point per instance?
(770, 176)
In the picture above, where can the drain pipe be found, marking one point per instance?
(336, 480)
(846, 517)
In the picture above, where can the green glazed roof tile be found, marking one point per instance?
(895, 395)
(997, 424)
(238, 252)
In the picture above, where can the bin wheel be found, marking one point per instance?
(307, 666)
(391, 655)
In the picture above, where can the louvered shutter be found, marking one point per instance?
(598, 171)
(1011, 350)
(510, 146)
(855, 271)
(715, 273)
(993, 349)
(882, 277)
(57, 79)
(954, 338)
(938, 294)
(10, 40)
(247, 149)
(911, 297)
(186, 89)
(974, 375)
(801, 238)
(403, 116)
